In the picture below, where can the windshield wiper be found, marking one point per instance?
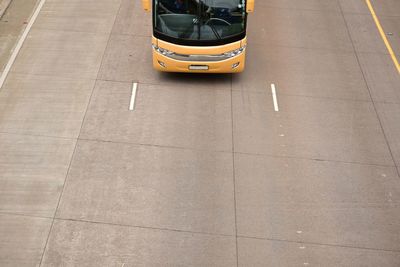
(201, 16)
(214, 31)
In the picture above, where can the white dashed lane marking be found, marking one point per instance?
(274, 97)
(133, 96)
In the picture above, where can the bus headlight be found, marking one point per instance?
(235, 53)
(162, 51)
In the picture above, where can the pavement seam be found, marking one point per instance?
(117, 224)
(58, 203)
(316, 159)
(200, 150)
(236, 152)
(198, 233)
(144, 227)
(4, 5)
(38, 135)
(234, 174)
(25, 215)
(77, 139)
(369, 91)
(316, 243)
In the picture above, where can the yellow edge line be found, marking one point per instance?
(383, 35)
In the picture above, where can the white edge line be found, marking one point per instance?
(133, 96)
(275, 98)
(20, 43)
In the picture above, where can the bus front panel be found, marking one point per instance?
(199, 35)
(170, 57)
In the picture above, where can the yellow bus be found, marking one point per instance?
(206, 36)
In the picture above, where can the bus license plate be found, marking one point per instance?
(198, 67)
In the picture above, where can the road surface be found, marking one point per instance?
(205, 170)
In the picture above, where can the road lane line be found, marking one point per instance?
(20, 43)
(383, 35)
(133, 97)
(275, 98)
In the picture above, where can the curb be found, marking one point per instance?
(4, 4)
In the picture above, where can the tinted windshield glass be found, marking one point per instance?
(200, 19)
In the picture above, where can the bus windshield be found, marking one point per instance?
(200, 19)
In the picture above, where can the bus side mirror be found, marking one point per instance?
(146, 5)
(250, 6)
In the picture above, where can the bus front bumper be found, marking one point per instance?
(232, 65)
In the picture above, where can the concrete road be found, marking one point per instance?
(205, 171)
(12, 23)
